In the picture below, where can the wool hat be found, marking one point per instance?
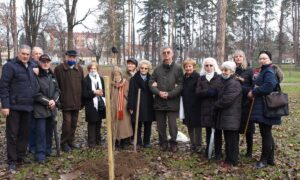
(267, 53)
(134, 61)
(229, 65)
(44, 57)
(71, 53)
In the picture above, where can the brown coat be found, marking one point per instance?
(70, 83)
(122, 128)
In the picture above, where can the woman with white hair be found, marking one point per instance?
(228, 112)
(146, 113)
(207, 85)
(244, 74)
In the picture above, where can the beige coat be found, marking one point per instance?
(121, 128)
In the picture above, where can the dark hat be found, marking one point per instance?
(266, 52)
(114, 50)
(71, 53)
(134, 61)
(44, 57)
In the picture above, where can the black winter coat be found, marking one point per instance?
(146, 113)
(246, 80)
(228, 106)
(91, 113)
(208, 99)
(48, 90)
(191, 103)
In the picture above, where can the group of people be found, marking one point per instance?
(217, 99)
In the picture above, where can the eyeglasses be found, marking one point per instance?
(45, 62)
(144, 68)
(166, 52)
(209, 65)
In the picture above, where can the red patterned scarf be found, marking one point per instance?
(120, 105)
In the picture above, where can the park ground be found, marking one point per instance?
(151, 163)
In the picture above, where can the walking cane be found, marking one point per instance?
(247, 122)
(137, 119)
(57, 143)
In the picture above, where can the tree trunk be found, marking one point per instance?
(14, 31)
(296, 31)
(280, 35)
(220, 30)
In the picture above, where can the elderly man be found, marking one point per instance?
(35, 56)
(166, 84)
(18, 86)
(69, 76)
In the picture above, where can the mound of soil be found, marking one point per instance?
(126, 165)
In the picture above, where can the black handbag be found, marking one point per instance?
(276, 104)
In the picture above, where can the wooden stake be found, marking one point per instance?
(111, 167)
(137, 118)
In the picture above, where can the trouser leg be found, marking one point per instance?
(173, 130)
(218, 144)
(91, 134)
(40, 150)
(267, 141)
(161, 121)
(231, 147)
(23, 133)
(147, 132)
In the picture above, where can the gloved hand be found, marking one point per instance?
(212, 92)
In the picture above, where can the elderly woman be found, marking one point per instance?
(120, 114)
(228, 112)
(146, 113)
(93, 94)
(45, 109)
(207, 85)
(265, 83)
(244, 75)
(191, 104)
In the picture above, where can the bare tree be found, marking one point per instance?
(296, 31)
(95, 44)
(70, 10)
(32, 19)
(220, 30)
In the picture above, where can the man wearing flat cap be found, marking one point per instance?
(69, 75)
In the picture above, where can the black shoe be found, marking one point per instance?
(164, 147)
(24, 161)
(173, 147)
(261, 164)
(147, 145)
(65, 148)
(74, 145)
(271, 162)
(12, 168)
(248, 154)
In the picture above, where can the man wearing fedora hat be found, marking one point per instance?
(69, 75)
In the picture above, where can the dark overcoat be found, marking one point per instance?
(91, 113)
(207, 99)
(70, 82)
(146, 113)
(191, 103)
(229, 106)
(265, 83)
(246, 81)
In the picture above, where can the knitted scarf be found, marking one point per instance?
(120, 101)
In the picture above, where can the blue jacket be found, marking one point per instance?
(18, 86)
(265, 83)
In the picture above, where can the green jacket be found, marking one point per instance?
(169, 79)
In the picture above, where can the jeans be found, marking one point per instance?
(32, 136)
(44, 134)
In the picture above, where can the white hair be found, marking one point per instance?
(215, 65)
(229, 65)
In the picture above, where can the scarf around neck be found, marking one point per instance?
(209, 76)
(96, 84)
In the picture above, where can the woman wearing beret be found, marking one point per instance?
(265, 83)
